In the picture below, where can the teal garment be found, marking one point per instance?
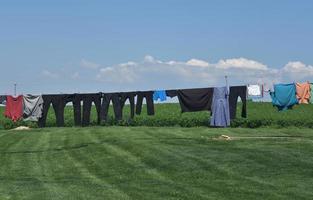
(311, 96)
(284, 96)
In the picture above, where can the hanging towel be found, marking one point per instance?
(159, 94)
(303, 92)
(14, 108)
(284, 96)
(220, 108)
(254, 91)
(32, 107)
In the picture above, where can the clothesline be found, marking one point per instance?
(191, 100)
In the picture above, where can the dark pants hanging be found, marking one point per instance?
(87, 104)
(107, 98)
(76, 100)
(235, 92)
(149, 100)
(58, 103)
(131, 98)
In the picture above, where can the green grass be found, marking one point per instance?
(259, 115)
(156, 163)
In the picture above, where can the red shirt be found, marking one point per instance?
(14, 108)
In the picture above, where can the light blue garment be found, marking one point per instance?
(159, 94)
(284, 96)
(220, 107)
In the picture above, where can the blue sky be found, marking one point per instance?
(84, 46)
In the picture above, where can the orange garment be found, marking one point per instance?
(303, 92)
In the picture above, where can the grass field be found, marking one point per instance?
(259, 115)
(156, 163)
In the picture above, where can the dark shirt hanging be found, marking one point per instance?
(171, 93)
(192, 100)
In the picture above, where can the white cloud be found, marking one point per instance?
(122, 73)
(297, 71)
(151, 73)
(88, 64)
(242, 63)
(196, 62)
(298, 67)
(49, 74)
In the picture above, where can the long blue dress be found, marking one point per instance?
(220, 108)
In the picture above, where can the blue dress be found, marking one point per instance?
(284, 96)
(220, 107)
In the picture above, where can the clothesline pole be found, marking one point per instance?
(226, 81)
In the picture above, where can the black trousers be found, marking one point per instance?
(235, 92)
(76, 99)
(106, 99)
(149, 100)
(131, 98)
(87, 104)
(58, 102)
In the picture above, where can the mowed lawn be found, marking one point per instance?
(156, 163)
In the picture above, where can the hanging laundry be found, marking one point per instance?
(192, 100)
(284, 96)
(58, 102)
(254, 90)
(149, 101)
(234, 93)
(107, 98)
(32, 107)
(303, 92)
(130, 96)
(171, 93)
(87, 104)
(220, 108)
(76, 100)
(159, 94)
(14, 108)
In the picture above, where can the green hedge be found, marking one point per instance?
(259, 115)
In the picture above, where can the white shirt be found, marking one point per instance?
(254, 90)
